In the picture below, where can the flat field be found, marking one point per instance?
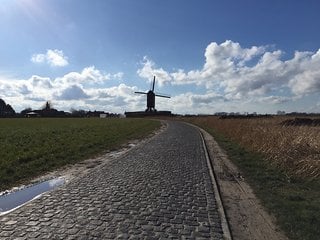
(31, 147)
(280, 162)
(295, 149)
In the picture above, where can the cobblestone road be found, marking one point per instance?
(161, 190)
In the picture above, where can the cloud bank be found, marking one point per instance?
(232, 78)
(244, 73)
(236, 74)
(85, 89)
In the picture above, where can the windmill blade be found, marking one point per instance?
(141, 92)
(165, 96)
(154, 80)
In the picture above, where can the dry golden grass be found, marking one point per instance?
(296, 149)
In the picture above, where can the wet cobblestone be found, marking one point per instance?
(161, 190)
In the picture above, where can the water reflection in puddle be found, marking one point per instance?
(13, 200)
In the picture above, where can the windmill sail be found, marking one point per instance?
(162, 95)
(141, 92)
(154, 80)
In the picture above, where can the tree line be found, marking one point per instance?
(6, 110)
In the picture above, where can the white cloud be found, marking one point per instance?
(42, 82)
(88, 76)
(275, 99)
(228, 55)
(23, 89)
(73, 92)
(38, 58)
(307, 77)
(149, 70)
(117, 76)
(190, 103)
(54, 58)
(120, 98)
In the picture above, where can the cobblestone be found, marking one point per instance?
(161, 190)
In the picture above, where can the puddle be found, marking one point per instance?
(13, 200)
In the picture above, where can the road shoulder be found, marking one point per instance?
(246, 216)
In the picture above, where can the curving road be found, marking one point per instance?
(161, 190)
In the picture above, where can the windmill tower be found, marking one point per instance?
(151, 97)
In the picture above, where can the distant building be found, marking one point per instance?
(32, 114)
(95, 113)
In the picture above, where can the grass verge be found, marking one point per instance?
(295, 202)
(31, 147)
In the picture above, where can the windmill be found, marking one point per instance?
(151, 97)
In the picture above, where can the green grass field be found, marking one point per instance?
(31, 147)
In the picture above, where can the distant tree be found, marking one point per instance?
(78, 113)
(10, 110)
(6, 110)
(72, 110)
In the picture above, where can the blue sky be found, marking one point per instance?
(209, 55)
